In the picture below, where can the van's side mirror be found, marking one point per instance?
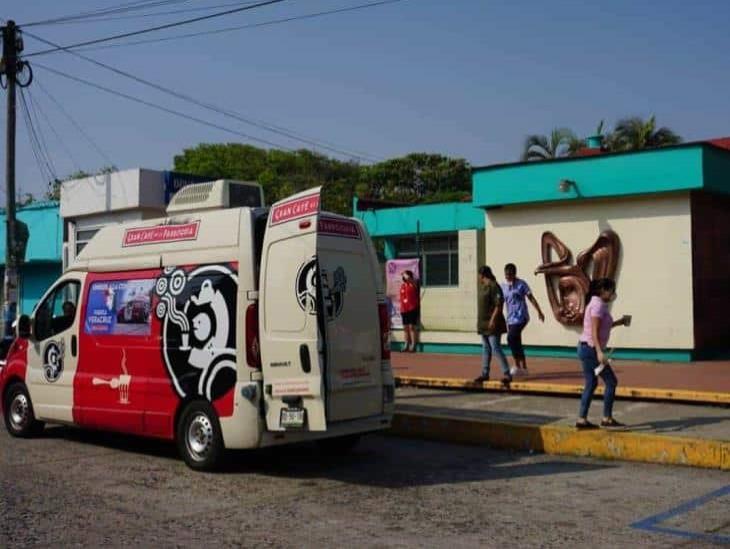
(23, 328)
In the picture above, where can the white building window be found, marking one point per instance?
(439, 255)
(83, 236)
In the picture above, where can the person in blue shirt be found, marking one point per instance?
(516, 293)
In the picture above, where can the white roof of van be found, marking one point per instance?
(200, 237)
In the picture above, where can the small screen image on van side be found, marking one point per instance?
(119, 307)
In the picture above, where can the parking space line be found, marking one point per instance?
(651, 524)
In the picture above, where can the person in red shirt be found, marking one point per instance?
(410, 310)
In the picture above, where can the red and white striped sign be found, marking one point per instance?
(338, 227)
(295, 209)
(161, 233)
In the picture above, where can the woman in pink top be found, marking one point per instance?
(597, 324)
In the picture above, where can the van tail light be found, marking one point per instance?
(384, 331)
(253, 346)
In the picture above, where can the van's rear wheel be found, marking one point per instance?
(338, 446)
(20, 419)
(199, 437)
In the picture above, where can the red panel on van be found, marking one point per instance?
(152, 338)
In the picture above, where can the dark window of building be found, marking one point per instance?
(438, 254)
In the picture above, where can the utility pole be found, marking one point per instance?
(11, 65)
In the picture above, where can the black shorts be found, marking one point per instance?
(411, 317)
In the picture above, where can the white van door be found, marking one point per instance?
(350, 323)
(291, 344)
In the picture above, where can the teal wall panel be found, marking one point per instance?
(46, 232)
(36, 278)
(610, 175)
(426, 218)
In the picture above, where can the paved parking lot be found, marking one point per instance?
(72, 487)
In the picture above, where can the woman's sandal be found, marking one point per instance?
(585, 425)
(611, 423)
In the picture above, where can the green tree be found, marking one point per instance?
(561, 142)
(417, 177)
(634, 133)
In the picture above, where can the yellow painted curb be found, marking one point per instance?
(638, 393)
(567, 441)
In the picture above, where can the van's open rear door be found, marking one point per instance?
(291, 343)
(350, 321)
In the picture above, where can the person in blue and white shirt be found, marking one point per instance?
(516, 293)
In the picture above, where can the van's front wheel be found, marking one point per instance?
(20, 419)
(199, 437)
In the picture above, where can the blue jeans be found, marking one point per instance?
(589, 361)
(490, 344)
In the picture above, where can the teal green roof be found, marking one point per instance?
(426, 218)
(45, 230)
(686, 167)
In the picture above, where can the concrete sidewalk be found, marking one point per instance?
(703, 382)
(668, 433)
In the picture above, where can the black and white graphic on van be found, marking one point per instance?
(306, 287)
(334, 292)
(53, 361)
(198, 314)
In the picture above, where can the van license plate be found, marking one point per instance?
(292, 417)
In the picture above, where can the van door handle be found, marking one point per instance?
(304, 359)
(73, 345)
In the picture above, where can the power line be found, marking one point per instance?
(158, 27)
(43, 166)
(161, 108)
(123, 8)
(224, 112)
(37, 107)
(243, 27)
(39, 130)
(101, 18)
(75, 124)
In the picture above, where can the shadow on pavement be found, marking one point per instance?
(378, 461)
(679, 424)
(493, 415)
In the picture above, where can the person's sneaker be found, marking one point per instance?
(585, 425)
(506, 380)
(513, 371)
(611, 423)
(481, 379)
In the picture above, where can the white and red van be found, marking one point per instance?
(218, 328)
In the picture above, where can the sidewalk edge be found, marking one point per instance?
(637, 393)
(562, 440)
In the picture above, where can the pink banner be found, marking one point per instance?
(394, 269)
(160, 233)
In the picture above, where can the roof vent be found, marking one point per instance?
(216, 195)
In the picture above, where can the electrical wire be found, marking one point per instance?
(278, 130)
(76, 125)
(122, 8)
(242, 27)
(162, 108)
(158, 27)
(43, 167)
(36, 107)
(38, 133)
(102, 18)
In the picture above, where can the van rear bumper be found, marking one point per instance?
(341, 428)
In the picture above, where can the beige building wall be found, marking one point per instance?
(455, 308)
(654, 280)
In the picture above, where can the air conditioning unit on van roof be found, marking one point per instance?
(216, 195)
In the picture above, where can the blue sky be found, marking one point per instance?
(467, 78)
